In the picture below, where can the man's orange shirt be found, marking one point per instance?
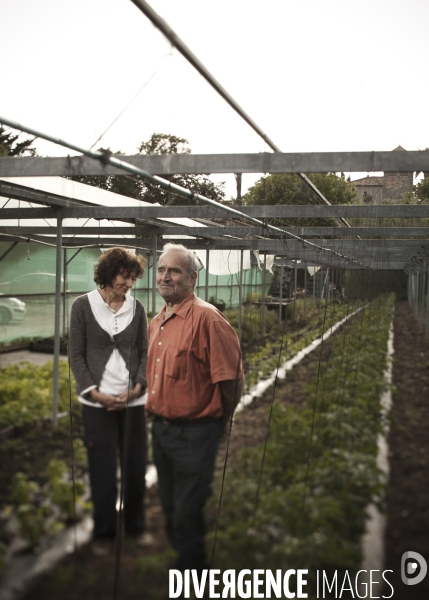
(189, 354)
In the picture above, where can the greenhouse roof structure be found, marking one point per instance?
(36, 195)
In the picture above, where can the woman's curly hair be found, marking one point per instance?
(115, 261)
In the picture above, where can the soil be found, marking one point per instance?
(140, 574)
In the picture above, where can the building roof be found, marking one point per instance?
(369, 180)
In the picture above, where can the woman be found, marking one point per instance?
(108, 354)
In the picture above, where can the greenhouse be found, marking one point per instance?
(322, 473)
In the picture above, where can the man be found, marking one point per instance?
(195, 380)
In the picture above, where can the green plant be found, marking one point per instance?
(218, 302)
(308, 506)
(26, 392)
(43, 510)
(261, 352)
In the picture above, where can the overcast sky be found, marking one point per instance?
(316, 75)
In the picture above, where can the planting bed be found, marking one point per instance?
(83, 576)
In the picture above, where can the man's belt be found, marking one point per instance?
(182, 422)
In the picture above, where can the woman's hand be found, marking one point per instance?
(108, 401)
(131, 394)
(116, 402)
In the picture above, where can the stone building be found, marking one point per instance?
(392, 185)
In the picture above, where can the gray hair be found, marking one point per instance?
(194, 263)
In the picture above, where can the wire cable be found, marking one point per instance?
(133, 98)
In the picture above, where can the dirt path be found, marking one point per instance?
(408, 489)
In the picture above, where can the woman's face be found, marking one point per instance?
(123, 282)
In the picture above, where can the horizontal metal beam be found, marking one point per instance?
(221, 231)
(376, 258)
(85, 231)
(263, 162)
(210, 212)
(22, 192)
(351, 247)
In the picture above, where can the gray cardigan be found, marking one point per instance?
(90, 346)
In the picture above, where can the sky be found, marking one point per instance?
(315, 75)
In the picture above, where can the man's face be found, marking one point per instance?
(173, 280)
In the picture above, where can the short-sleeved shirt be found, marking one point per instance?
(189, 354)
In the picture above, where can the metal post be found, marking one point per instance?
(57, 318)
(305, 291)
(154, 261)
(263, 294)
(64, 292)
(324, 285)
(421, 295)
(416, 281)
(418, 286)
(148, 281)
(281, 295)
(427, 302)
(314, 289)
(8, 250)
(207, 275)
(295, 291)
(410, 294)
(240, 295)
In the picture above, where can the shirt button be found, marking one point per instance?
(156, 376)
(159, 343)
(158, 359)
(161, 328)
(153, 391)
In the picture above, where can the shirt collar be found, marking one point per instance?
(127, 305)
(181, 309)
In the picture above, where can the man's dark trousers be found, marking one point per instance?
(184, 453)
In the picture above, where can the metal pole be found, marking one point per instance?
(148, 254)
(263, 294)
(281, 295)
(57, 319)
(427, 302)
(64, 292)
(240, 295)
(108, 159)
(328, 286)
(174, 39)
(408, 288)
(305, 292)
(8, 250)
(421, 296)
(154, 261)
(295, 283)
(422, 308)
(207, 274)
(416, 287)
(324, 284)
(314, 289)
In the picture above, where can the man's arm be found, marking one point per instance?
(232, 390)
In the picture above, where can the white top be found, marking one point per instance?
(116, 377)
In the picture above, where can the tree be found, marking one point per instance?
(9, 145)
(138, 187)
(161, 143)
(421, 191)
(289, 188)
